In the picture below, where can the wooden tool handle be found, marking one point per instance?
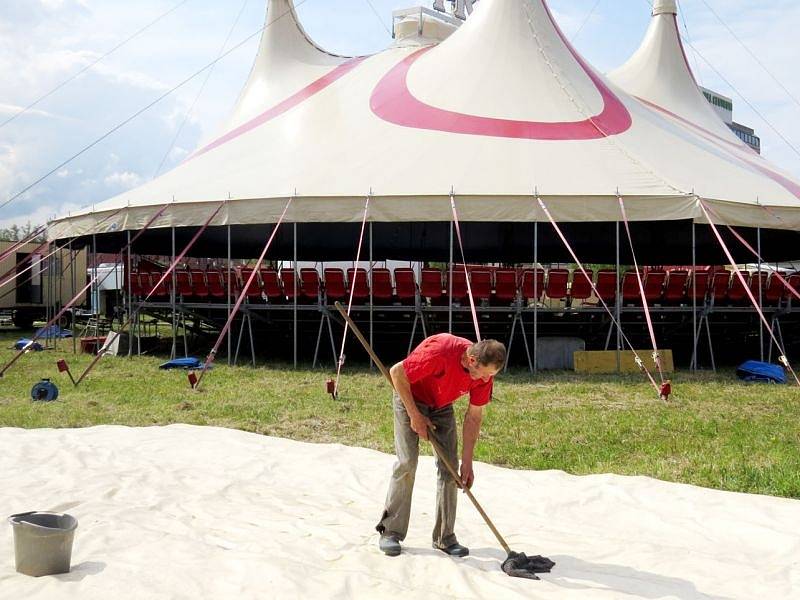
(436, 447)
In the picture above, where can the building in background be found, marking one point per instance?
(724, 107)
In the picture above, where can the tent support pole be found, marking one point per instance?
(617, 302)
(760, 297)
(693, 366)
(228, 294)
(371, 299)
(294, 292)
(535, 298)
(172, 301)
(130, 298)
(450, 284)
(93, 289)
(72, 285)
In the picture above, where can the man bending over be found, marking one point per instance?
(439, 371)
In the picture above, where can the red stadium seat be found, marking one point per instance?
(607, 285)
(556, 286)
(654, 285)
(697, 286)
(581, 288)
(794, 281)
(505, 286)
(216, 283)
(774, 292)
(358, 284)
(718, 286)
(199, 286)
(630, 288)
(137, 289)
(675, 290)
(737, 293)
(381, 286)
(287, 279)
(272, 285)
(481, 282)
(759, 280)
(163, 288)
(183, 283)
(527, 288)
(459, 284)
(431, 285)
(310, 290)
(406, 285)
(254, 290)
(334, 285)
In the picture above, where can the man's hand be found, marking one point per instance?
(467, 475)
(420, 424)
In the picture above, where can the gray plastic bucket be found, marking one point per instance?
(43, 542)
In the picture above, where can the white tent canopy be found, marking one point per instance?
(502, 109)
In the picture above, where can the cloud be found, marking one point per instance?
(123, 180)
(45, 42)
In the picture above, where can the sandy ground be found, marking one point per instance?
(202, 512)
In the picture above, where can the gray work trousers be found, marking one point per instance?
(397, 509)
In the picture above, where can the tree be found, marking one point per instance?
(16, 233)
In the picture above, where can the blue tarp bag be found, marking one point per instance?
(190, 362)
(54, 331)
(757, 371)
(26, 344)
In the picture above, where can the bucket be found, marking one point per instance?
(43, 542)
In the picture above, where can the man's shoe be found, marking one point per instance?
(454, 550)
(389, 544)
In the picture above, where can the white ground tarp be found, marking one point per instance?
(186, 512)
(500, 110)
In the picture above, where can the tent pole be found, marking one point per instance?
(172, 300)
(130, 298)
(72, 290)
(617, 302)
(95, 292)
(228, 294)
(371, 299)
(450, 284)
(535, 298)
(693, 366)
(760, 297)
(294, 292)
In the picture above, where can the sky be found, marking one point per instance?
(45, 42)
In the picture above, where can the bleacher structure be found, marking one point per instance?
(512, 303)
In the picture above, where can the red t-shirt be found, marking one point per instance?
(437, 377)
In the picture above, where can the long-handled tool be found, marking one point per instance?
(517, 564)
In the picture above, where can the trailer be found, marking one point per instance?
(37, 279)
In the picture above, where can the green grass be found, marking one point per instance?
(716, 432)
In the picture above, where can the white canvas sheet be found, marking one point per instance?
(199, 512)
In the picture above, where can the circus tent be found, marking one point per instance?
(494, 113)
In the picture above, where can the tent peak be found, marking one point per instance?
(665, 7)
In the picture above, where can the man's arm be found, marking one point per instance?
(419, 422)
(472, 429)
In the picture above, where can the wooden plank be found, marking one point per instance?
(605, 361)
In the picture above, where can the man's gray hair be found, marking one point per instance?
(489, 352)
